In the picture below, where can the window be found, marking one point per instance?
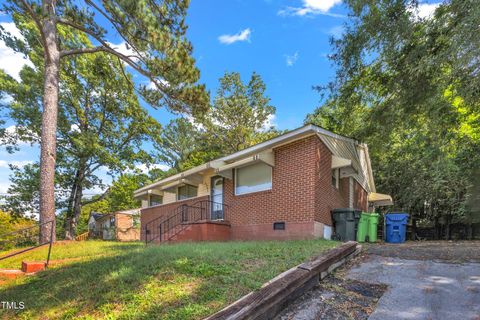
(112, 221)
(186, 191)
(335, 177)
(253, 178)
(279, 226)
(155, 200)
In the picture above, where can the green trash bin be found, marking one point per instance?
(363, 224)
(372, 226)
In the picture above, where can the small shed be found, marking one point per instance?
(120, 225)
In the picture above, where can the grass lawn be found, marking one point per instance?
(112, 280)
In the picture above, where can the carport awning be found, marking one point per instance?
(338, 162)
(380, 199)
(177, 183)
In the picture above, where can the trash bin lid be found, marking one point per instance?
(397, 216)
(344, 210)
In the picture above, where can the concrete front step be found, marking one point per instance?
(11, 274)
(33, 266)
(28, 268)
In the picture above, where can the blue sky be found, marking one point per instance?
(285, 41)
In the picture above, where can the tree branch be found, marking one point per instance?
(114, 24)
(72, 52)
(102, 196)
(32, 14)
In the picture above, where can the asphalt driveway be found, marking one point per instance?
(416, 280)
(437, 280)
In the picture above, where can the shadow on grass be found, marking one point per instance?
(71, 250)
(187, 281)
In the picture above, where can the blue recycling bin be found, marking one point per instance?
(396, 227)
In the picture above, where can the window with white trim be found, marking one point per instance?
(253, 178)
(155, 200)
(187, 191)
(335, 177)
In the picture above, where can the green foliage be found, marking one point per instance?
(180, 142)
(10, 223)
(101, 124)
(239, 117)
(120, 196)
(24, 191)
(153, 33)
(408, 87)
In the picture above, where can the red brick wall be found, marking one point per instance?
(148, 214)
(360, 199)
(205, 231)
(124, 228)
(264, 231)
(291, 199)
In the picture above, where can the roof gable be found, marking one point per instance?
(340, 146)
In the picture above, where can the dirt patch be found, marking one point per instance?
(336, 297)
(441, 251)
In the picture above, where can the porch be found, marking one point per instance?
(191, 220)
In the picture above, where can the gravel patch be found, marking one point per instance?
(336, 298)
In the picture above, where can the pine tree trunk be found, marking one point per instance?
(49, 123)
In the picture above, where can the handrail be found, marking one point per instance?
(82, 237)
(182, 214)
(173, 214)
(49, 242)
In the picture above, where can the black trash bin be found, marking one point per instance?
(346, 222)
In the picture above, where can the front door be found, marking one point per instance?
(216, 211)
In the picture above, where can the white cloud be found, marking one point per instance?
(424, 10)
(197, 124)
(322, 5)
(17, 163)
(4, 187)
(291, 59)
(10, 61)
(243, 35)
(124, 49)
(269, 123)
(336, 31)
(312, 7)
(12, 134)
(152, 86)
(74, 128)
(144, 168)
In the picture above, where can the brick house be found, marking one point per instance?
(120, 225)
(283, 188)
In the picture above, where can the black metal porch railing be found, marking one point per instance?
(163, 228)
(29, 235)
